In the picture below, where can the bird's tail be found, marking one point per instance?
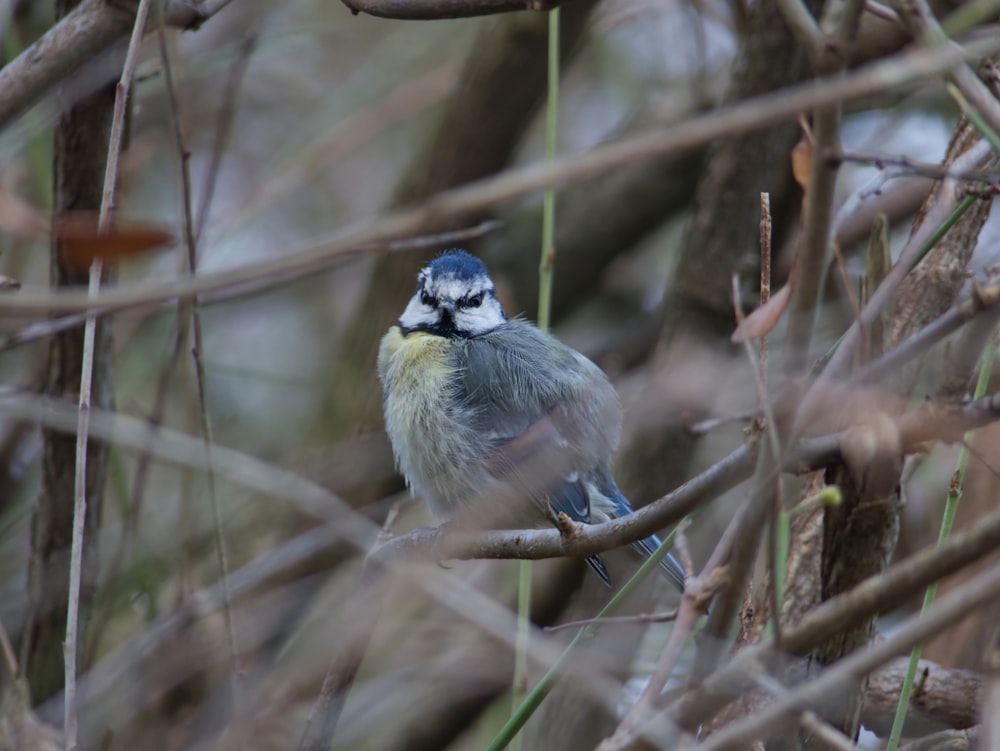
(670, 566)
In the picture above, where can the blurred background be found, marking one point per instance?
(302, 120)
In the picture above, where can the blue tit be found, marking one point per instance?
(477, 403)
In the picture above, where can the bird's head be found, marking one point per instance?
(455, 297)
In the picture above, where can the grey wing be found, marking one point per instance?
(548, 415)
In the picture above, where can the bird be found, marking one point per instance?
(483, 411)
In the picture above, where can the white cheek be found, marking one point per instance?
(417, 313)
(479, 320)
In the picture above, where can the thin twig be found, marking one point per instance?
(874, 596)
(437, 544)
(223, 129)
(193, 308)
(982, 299)
(913, 250)
(950, 610)
(48, 327)
(827, 734)
(616, 619)
(800, 20)
(884, 12)
(765, 276)
(83, 34)
(8, 651)
(919, 18)
(891, 74)
(86, 376)
(923, 169)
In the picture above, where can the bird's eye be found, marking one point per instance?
(427, 298)
(475, 301)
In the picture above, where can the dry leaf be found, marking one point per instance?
(763, 320)
(82, 243)
(802, 156)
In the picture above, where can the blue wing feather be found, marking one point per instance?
(669, 565)
(550, 423)
(570, 497)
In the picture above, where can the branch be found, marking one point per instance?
(760, 112)
(911, 252)
(83, 34)
(950, 610)
(800, 20)
(919, 18)
(948, 698)
(875, 596)
(947, 740)
(427, 10)
(981, 299)
(915, 428)
(830, 55)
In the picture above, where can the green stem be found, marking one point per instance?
(535, 697)
(549, 199)
(950, 509)
(544, 318)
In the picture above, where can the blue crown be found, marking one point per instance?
(459, 264)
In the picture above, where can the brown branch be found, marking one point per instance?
(920, 169)
(84, 33)
(914, 428)
(875, 596)
(949, 610)
(800, 20)
(937, 280)
(982, 299)
(919, 18)
(426, 10)
(830, 55)
(895, 73)
(935, 217)
(947, 740)
(948, 698)
(49, 327)
(899, 201)
(833, 738)
(80, 156)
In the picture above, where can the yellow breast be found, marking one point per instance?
(432, 434)
(412, 361)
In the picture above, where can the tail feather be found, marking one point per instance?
(670, 566)
(600, 569)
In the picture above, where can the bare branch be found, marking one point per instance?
(919, 18)
(948, 698)
(109, 193)
(947, 740)
(804, 26)
(949, 610)
(877, 595)
(426, 10)
(844, 354)
(89, 29)
(893, 74)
